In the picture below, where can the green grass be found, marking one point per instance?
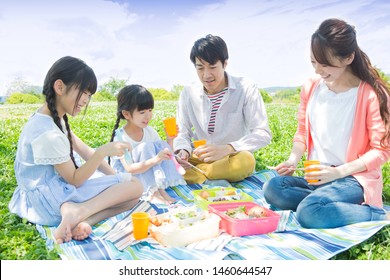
(19, 239)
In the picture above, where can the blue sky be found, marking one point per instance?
(148, 42)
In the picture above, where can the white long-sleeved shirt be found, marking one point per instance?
(241, 120)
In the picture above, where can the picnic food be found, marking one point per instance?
(183, 226)
(256, 212)
(242, 212)
(204, 194)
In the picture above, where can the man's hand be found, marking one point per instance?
(211, 152)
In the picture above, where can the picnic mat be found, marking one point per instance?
(112, 239)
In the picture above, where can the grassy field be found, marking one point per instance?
(20, 240)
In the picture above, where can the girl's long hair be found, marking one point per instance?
(74, 73)
(131, 98)
(338, 38)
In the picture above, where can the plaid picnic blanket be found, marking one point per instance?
(112, 239)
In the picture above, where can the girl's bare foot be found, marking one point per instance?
(157, 198)
(166, 196)
(81, 231)
(70, 218)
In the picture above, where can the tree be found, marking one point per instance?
(21, 86)
(176, 90)
(113, 86)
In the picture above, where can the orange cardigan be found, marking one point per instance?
(367, 132)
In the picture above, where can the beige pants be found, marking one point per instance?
(233, 168)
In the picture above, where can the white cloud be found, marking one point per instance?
(268, 40)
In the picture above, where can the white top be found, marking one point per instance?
(241, 119)
(150, 135)
(331, 117)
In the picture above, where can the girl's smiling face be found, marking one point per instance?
(140, 118)
(67, 102)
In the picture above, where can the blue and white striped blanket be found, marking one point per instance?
(112, 239)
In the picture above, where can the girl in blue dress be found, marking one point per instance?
(151, 159)
(52, 189)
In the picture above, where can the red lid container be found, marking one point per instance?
(243, 227)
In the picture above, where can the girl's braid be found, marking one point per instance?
(118, 120)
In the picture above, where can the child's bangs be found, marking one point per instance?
(145, 101)
(86, 81)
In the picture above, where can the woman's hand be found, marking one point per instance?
(286, 168)
(323, 173)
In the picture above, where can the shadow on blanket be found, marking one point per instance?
(112, 239)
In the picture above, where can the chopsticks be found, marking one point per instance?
(193, 166)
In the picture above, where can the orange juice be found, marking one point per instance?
(307, 163)
(170, 126)
(140, 224)
(198, 143)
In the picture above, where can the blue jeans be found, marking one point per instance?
(334, 204)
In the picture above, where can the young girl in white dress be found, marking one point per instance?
(52, 190)
(150, 158)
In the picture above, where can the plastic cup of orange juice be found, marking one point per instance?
(307, 163)
(140, 224)
(170, 126)
(198, 143)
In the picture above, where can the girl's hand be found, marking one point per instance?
(163, 155)
(114, 148)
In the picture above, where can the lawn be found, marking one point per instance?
(20, 240)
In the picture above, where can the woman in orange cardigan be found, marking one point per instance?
(344, 122)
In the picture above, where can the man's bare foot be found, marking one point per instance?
(81, 231)
(70, 218)
(166, 196)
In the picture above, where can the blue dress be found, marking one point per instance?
(160, 176)
(40, 190)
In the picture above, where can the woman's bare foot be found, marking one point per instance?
(166, 196)
(81, 231)
(71, 217)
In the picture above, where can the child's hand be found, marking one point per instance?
(163, 155)
(114, 149)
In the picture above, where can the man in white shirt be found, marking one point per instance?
(226, 111)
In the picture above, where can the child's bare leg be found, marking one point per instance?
(166, 196)
(84, 229)
(74, 214)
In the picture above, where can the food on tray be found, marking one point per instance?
(243, 213)
(204, 194)
(225, 195)
(256, 212)
(178, 219)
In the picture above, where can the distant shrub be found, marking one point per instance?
(266, 97)
(103, 96)
(162, 94)
(26, 98)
